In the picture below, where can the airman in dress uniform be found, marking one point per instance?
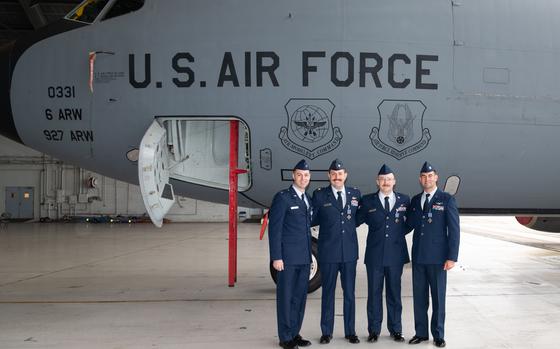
(435, 248)
(385, 213)
(289, 235)
(335, 209)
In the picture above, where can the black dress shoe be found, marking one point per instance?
(353, 339)
(325, 339)
(372, 337)
(288, 345)
(416, 340)
(397, 337)
(300, 342)
(439, 342)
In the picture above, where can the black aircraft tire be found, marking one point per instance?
(315, 273)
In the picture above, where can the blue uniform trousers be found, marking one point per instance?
(291, 295)
(425, 278)
(329, 273)
(376, 275)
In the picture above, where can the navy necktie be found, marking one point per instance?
(339, 200)
(387, 204)
(426, 203)
(303, 199)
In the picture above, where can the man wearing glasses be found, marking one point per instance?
(385, 213)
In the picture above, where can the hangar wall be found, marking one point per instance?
(62, 190)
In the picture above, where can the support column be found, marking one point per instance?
(233, 173)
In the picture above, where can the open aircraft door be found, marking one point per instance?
(153, 173)
(188, 149)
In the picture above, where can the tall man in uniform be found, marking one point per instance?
(386, 253)
(289, 235)
(435, 248)
(335, 209)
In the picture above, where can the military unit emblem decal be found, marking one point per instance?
(400, 132)
(310, 131)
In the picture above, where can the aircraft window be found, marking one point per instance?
(122, 7)
(87, 11)
(132, 155)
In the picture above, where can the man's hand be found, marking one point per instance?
(278, 264)
(448, 265)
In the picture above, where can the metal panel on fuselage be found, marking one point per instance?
(369, 82)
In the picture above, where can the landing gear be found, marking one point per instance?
(314, 274)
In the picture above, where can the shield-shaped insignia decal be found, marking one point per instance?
(310, 131)
(400, 132)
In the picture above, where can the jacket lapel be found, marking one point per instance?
(298, 201)
(348, 199)
(331, 197)
(382, 204)
(437, 197)
(397, 202)
(377, 202)
(418, 204)
(295, 198)
(309, 208)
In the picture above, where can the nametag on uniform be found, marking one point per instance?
(354, 202)
(327, 204)
(294, 207)
(372, 210)
(438, 207)
(401, 209)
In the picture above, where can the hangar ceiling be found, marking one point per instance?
(18, 17)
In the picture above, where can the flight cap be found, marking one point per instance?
(336, 165)
(427, 168)
(384, 170)
(302, 165)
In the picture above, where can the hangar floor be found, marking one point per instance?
(135, 286)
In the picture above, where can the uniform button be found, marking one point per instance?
(423, 217)
(386, 235)
(422, 227)
(343, 231)
(342, 222)
(421, 234)
(342, 214)
(386, 226)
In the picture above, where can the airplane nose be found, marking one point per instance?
(7, 125)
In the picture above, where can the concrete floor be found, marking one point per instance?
(135, 286)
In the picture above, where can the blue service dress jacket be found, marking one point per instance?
(386, 239)
(289, 228)
(338, 242)
(436, 232)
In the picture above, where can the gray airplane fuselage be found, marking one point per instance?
(472, 87)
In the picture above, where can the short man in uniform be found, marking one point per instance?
(435, 248)
(386, 253)
(289, 236)
(335, 209)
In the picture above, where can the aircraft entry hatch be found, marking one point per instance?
(194, 150)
